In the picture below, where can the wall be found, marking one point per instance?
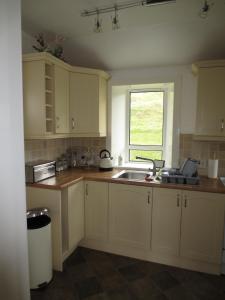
(53, 149)
(184, 96)
(27, 42)
(14, 283)
(202, 150)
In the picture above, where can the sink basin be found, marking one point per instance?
(131, 175)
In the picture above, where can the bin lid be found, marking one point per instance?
(36, 212)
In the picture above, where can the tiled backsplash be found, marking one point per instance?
(202, 150)
(52, 149)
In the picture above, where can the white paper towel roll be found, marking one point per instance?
(212, 168)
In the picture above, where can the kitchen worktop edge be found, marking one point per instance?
(71, 176)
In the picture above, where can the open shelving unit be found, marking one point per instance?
(49, 98)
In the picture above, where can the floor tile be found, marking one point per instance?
(202, 289)
(218, 281)
(184, 275)
(94, 255)
(164, 280)
(88, 287)
(79, 272)
(121, 261)
(121, 294)
(112, 281)
(101, 296)
(131, 272)
(179, 293)
(150, 268)
(103, 268)
(144, 288)
(95, 275)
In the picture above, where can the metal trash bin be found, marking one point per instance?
(39, 247)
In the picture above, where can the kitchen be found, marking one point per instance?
(186, 91)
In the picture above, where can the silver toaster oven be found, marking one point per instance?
(39, 170)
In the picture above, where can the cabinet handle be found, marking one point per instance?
(222, 125)
(148, 198)
(86, 189)
(185, 201)
(73, 123)
(57, 122)
(178, 200)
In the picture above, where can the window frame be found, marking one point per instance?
(145, 147)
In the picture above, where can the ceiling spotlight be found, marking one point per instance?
(115, 20)
(203, 13)
(98, 24)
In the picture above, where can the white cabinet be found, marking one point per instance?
(202, 226)
(188, 224)
(130, 215)
(46, 96)
(38, 98)
(96, 210)
(62, 100)
(88, 98)
(166, 218)
(61, 87)
(75, 214)
(66, 209)
(210, 118)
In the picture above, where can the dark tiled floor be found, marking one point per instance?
(95, 275)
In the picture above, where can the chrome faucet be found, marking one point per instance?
(153, 170)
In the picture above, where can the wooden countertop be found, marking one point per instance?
(71, 176)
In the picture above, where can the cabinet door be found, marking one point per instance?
(84, 103)
(130, 215)
(61, 100)
(210, 108)
(166, 218)
(202, 226)
(96, 210)
(75, 214)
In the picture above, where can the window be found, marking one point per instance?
(142, 124)
(146, 124)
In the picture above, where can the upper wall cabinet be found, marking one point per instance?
(210, 118)
(46, 96)
(88, 95)
(61, 100)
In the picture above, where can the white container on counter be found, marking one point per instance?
(213, 168)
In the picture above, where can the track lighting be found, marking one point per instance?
(98, 24)
(115, 8)
(115, 20)
(203, 13)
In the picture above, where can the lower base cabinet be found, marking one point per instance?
(66, 209)
(188, 224)
(171, 226)
(166, 218)
(202, 226)
(130, 215)
(96, 211)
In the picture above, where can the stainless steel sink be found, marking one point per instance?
(131, 175)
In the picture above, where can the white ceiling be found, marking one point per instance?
(149, 36)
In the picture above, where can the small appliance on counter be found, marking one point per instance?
(106, 163)
(187, 174)
(39, 170)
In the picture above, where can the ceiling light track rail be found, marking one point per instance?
(112, 8)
